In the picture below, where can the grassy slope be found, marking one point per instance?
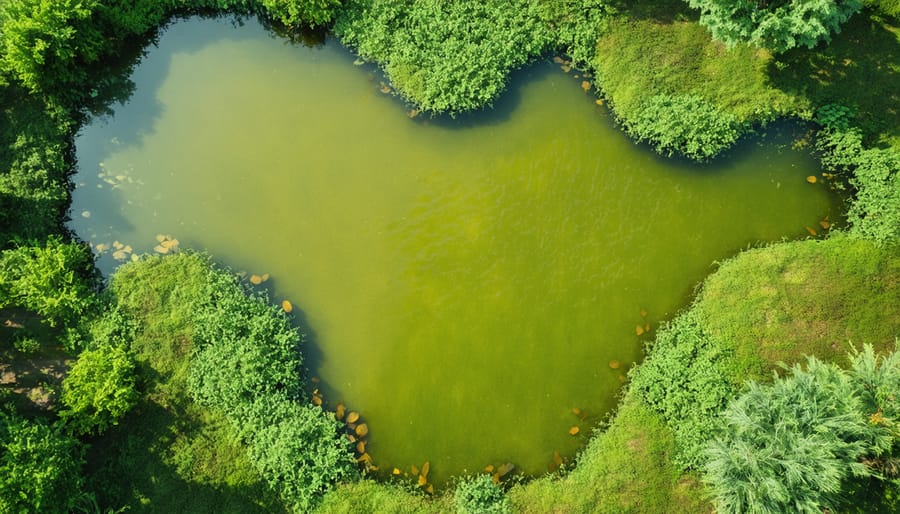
(811, 297)
(657, 47)
(169, 455)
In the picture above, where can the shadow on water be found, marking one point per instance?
(136, 69)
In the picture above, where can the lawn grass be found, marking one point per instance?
(370, 496)
(641, 55)
(625, 469)
(813, 297)
(168, 454)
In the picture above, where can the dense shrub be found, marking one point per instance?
(793, 445)
(40, 467)
(684, 124)
(247, 364)
(778, 26)
(479, 495)
(55, 280)
(296, 448)
(889, 7)
(875, 175)
(99, 389)
(295, 13)
(689, 379)
(446, 56)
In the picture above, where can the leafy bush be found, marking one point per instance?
(40, 466)
(295, 13)
(297, 449)
(479, 495)
(247, 364)
(889, 7)
(689, 379)
(577, 25)
(446, 56)
(778, 26)
(55, 280)
(244, 348)
(99, 389)
(794, 444)
(684, 124)
(875, 174)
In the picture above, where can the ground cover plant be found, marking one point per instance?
(171, 429)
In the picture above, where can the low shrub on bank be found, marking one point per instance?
(446, 56)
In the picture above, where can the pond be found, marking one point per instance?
(467, 285)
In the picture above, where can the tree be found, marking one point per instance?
(795, 445)
(778, 25)
(99, 389)
(40, 467)
(54, 280)
(44, 43)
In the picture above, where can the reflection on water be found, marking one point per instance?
(476, 288)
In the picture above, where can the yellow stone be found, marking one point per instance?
(414, 469)
(574, 431)
(395, 471)
(361, 447)
(598, 101)
(505, 468)
(639, 330)
(811, 231)
(255, 280)
(160, 249)
(265, 277)
(160, 238)
(426, 468)
(825, 224)
(614, 364)
(585, 85)
(489, 468)
(811, 179)
(352, 417)
(422, 480)
(362, 430)
(558, 60)
(286, 305)
(339, 411)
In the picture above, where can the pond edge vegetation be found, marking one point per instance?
(151, 343)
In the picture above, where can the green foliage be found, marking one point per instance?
(245, 348)
(479, 495)
(778, 26)
(295, 13)
(577, 25)
(688, 378)
(672, 66)
(794, 444)
(889, 7)
(875, 175)
(296, 448)
(625, 468)
(45, 43)
(40, 467)
(55, 280)
(99, 389)
(446, 56)
(684, 124)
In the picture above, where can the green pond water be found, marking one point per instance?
(464, 283)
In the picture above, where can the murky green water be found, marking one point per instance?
(466, 283)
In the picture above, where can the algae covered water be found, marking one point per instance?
(476, 288)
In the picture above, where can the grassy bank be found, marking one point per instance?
(201, 450)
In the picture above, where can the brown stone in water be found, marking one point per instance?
(811, 179)
(352, 417)
(574, 431)
(504, 469)
(557, 59)
(265, 277)
(647, 327)
(576, 411)
(489, 468)
(339, 411)
(414, 469)
(430, 489)
(287, 306)
(317, 400)
(585, 85)
(255, 280)
(825, 224)
(811, 231)
(361, 447)
(557, 459)
(362, 430)
(395, 471)
(426, 468)
(422, 480)
(614, 364)
(639, 330)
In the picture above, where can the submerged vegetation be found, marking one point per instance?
(171, 428)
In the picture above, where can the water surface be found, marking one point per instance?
(465, 283)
